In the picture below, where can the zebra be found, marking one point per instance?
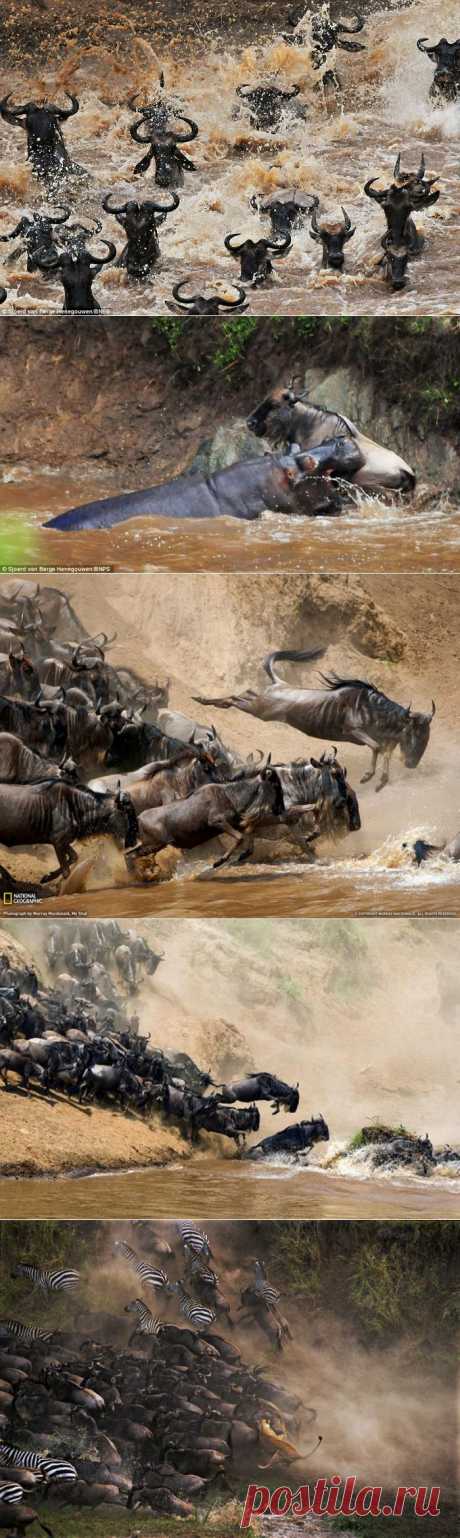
(11, 1495)
(151, 1276)
(48, 1470)
(203, 1272)
(48, 1281)
(269, 1294)
(29, 1333)
(147, 1323)
(194, 1240)
(200, 1318)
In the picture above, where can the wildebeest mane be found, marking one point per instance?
(333, 681)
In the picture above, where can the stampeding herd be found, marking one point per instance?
(90, 754)
(160, 1410)
(55, 247)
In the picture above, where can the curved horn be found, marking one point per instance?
(346, 218)
(185, 138)
(137, 136)
(314, 229)
(288, 95)
(64, 112)
(246, 86)
(420, 43)
(12, 112)
(421, 169)
(234, 249)
(177, 295)
(371, 192)
(159, 208)
(433, 709)
(60, 218)
(283, 248)
(397, 166)
(101, 260)
(108, 209)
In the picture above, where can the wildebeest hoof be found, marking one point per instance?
(365, 777)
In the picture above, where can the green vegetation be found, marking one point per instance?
(118, 1523)
(412, 361)
(360, 1140)
(385, 1281)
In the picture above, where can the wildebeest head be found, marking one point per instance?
(394, 266)
(255, 263)
(405, 178)
(446, 56)
(286, 213)
(415, 736)
(273, 417)
(317, 1128)
(266, 103)
(332, 238)
(200, 304)
(339, 807)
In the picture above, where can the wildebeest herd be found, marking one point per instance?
(53, 246)
(151, 1406)
(88, 752)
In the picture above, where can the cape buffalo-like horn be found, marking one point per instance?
(59, 218)
(421, 170)
(15, 111)
(65, 112)
(314, 231)
(280, 250)
(420, 44)
(397, 165)
(371, 191)
(134, 132)
(159, 208)
(433, 709)
(121, 209)
(347, 222)
(229, 238)
(185, 138)
(101, 260)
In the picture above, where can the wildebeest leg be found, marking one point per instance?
(370, 772)
(386, 770)
(66, 856)
(241, 838)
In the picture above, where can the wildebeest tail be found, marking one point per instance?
(288, 656)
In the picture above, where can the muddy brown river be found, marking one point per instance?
(228, 1188)
(384, 108)
(420, 534)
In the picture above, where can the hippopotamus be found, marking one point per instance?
(292, 1141)
(288, 483)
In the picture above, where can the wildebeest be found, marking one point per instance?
(292, 1141)
(38, 238)
(253, 255)
(164, 150)
(77, 270)
(266, 103)
(140, 222)
(346, 710)
(286, 211)
(261, 1086)
(207, 1114)
(211, 304)
(289, 417)
(325, 35)
(243, 805)
(282, 483)
(55, 813)
(331, 237)
(398, 204)
(446, 56)
(20, 766)
(45, 144)
(159, 783)
(393, 264)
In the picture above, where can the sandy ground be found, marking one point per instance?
(63, 1138)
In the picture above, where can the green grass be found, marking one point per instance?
(66, 1522)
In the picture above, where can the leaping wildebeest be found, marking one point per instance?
(290, 418)
(345, 710)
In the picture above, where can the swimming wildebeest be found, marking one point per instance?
(38, 239)
(261, 1086)
(332, 237)
(255, 263)
(211, 304)
(293, 1141)
(55, 813)
(399, 202)
(446, 56)
(286, 211)
(393, 264)
(77, 269)
(346, 710)
(325, 35)
(266, 103)
(140, 222)
(288, 417)
(291, 483)
(45, 144)
(170, 161)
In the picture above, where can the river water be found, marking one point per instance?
(420, 534)
(384, 108)
(228, 1188)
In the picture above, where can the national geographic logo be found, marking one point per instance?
(17, 899)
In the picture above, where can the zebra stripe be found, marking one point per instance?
(151, 1276)
(11, 1495)
(201, 1318)
(25, 1332)
(48, 1281)
(195, 1240)
(147, 1323)
(56, 1469)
